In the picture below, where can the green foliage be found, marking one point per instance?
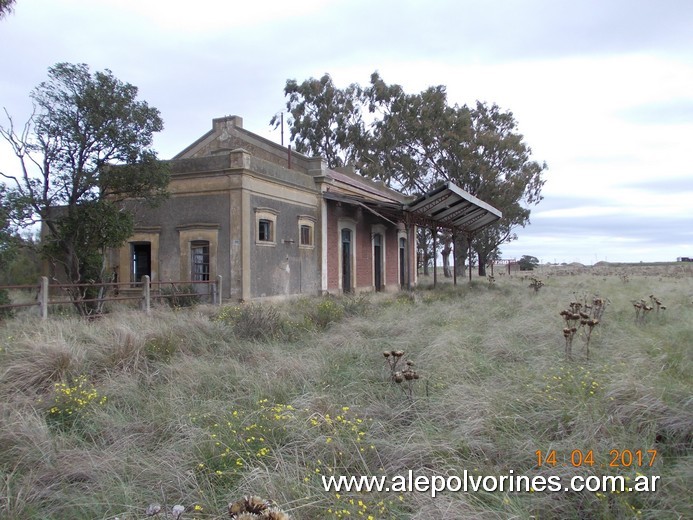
(5, 300)
(24, 265)
(8, 238)
(326, 313)
(528, 263)
(86, 148)
(6, 7)
(325, 120)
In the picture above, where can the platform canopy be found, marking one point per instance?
(450, 206)
(447, 206)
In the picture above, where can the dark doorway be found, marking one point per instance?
(378, 261)
(141, 260)
(402, 262)
(199, 261)
(346, 260)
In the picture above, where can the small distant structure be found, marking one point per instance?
(511, 264)
(684, 259)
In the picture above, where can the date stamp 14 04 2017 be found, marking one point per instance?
(615, 459)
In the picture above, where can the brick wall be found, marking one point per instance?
(364, 247)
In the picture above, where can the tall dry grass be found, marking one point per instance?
(200, 411)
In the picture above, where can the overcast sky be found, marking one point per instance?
(602, 89)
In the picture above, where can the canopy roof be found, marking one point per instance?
(452, 207)
(447, 206)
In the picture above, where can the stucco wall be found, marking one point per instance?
(284, 267)
(196, 217)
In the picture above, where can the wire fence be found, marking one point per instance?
(44, 295)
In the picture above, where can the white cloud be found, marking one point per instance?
(603, 91)
(205, 17)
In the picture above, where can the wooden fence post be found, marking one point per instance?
(218, 293)
(146, 294)
(43, 297)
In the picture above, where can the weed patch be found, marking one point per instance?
(73, 401)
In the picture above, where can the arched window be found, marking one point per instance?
(347, 240)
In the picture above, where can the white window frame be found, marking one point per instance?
(308, 221)
(269, 215)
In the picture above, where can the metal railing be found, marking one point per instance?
(143, 291)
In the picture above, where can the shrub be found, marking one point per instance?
(528, 263)
(326, 313)
(258, 322)
(5, 300)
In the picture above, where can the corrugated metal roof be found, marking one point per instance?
(451, 206)
(446, 206)
(362, 184)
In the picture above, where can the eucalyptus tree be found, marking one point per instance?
(415, 142)
(326, 121)
(6, 7)
(86, 148)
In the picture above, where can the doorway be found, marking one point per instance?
(378, 261)
(346, 260)
(141, 260)
(402, 262)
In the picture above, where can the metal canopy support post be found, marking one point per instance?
(434, 230)
(469, 245)
(407, 228)
(454, 257)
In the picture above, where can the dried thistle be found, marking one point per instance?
(153, 509)
(576, 318)
(536, 284)
(598, 307)
(255, 508)
(588, 335)
(400, 375)
(657, 303)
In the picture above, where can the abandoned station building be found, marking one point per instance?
(276, 223)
